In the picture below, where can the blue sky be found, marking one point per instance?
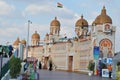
(14, 15)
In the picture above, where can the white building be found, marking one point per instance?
(75, 53)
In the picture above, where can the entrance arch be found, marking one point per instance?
(106, 48)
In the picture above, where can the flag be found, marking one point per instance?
(59, 5)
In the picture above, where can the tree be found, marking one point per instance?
(15, 66)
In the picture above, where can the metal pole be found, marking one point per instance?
(1, 63)
(27, 39)
(0, 66)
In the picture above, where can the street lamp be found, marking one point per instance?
(29, 22)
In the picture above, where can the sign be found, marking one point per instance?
(109, 60)
(96, 52)
(105, 73)
(104, 60)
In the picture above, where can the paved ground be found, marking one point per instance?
(60, 75)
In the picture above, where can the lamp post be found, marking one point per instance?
(29, 22)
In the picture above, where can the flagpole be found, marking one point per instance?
(29, 22)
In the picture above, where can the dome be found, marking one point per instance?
(102, 18)
(55, 22)
(81, 22)
(47, 34)
(35, 35)
(23, 41)
(16, 42)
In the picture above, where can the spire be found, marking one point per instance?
(103, 12)
(55, 18)
(18, 39)
(82, 16)
(35, 31)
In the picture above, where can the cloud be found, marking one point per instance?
(8, 32)
(48, 8)
(5, 8)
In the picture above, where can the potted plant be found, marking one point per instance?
(91, 66)
(15, 67)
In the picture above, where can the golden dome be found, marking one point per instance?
(35, 35)
(102, 18)
(47, 34)
(16, 42)
(55, 22)
(81, 22)
(23, 41)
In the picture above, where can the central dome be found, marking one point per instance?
(55, 22)
(35, 35)
(81, 22)
(23, 41)
(102, 18)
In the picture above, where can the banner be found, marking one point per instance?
(105, 73)
(96, 52)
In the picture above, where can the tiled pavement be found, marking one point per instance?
(61, 75)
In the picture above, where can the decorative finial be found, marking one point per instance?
(103, 12)
(55, 18)
(35, 31)
(82, 16)
(17, 38)
(104, 7)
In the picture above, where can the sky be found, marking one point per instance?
(14, 16)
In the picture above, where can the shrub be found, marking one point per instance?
(15, 66)
(91, 65)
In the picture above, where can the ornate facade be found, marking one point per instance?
(75, 53)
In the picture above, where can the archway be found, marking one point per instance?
(106, 47)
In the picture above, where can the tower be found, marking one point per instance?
(81, 27)
(55, 27)
(35, 39)
(104, 34)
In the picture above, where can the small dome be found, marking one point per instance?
(16, 42)
(23, 41)
(47, 34)
(55, 22)
(81, 22)
(35, 35)
(102, 18)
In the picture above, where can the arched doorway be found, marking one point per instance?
(106, 48)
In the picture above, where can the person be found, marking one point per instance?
(40, 66)
(25, 66)
(50, 65)
(110, 70)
